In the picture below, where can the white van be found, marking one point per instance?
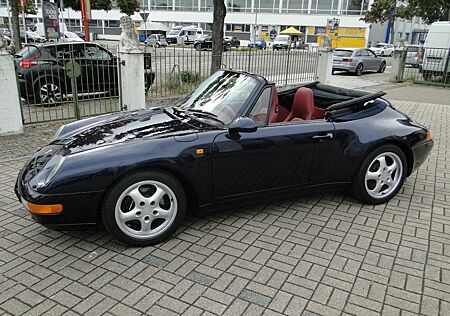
(436, 58)
(186, 34)
(39, 28)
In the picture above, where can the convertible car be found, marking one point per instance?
(235, 138)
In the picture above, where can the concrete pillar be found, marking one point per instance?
(325, 65)
(132, 79)
(397, 65)
(10, 114)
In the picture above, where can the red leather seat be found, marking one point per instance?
(277, 112)
(302, 106)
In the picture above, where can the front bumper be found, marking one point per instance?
(79, 209)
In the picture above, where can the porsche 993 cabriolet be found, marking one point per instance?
(235, 138)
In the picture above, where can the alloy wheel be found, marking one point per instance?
(146, 209)
(50, 93)
(383, 175)
(359, 70)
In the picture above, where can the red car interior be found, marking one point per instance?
(302, 107)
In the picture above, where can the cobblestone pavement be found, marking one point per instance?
(315, 255)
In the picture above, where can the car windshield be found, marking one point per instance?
(71, 35)
(223, 94)
(28, 52)
(343, 53)
(174, 32)
(282, 38)
(380, 45)
(32, 34)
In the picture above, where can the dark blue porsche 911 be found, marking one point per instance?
(235, 138)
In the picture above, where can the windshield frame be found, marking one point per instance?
(247, 104)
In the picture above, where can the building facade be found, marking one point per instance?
(245, 19)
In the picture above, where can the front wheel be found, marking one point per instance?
(198, 47)
(144, 208)
(381, 175)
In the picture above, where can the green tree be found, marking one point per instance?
(429, 10)
(128, 7)
(219, 14)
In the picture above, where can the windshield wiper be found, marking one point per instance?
(206, 114)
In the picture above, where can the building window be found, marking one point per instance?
(206, 5)
(295, 6)
(112, 23)
(267, 5)
(239, 5)
(354, 7)
(245, 28)
(164, 5)
(95, 23)
(324, 6)
(186, 5)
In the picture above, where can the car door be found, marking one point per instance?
(274, 156)
(375, 62)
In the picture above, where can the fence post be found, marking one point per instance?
(325, 65)
(398, 65)
(287, 67)
(10, 111)
(132, 83)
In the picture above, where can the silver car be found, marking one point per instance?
(357, 61)
(156, 40)
(414, 54)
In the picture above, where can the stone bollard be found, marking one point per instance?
(132, 79)
(325, 65)
(10, 112)
(397, 65)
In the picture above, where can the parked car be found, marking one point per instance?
(232, 41)
(6, 32)
(220, 146)
(205, 42)
(414, 55)
(70, 37)
(357, 61)
(282, 42)
(383, 49)
(156, 40)
(259, 43)
(436, 57)
(43, 79)
(32, 37)
(187, 34)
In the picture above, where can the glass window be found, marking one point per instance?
(343, 53)
(206, 5)
(95, 52)
(239, 5)
(160, 4)
(370, 53)
(95, 23)
(267, 5)
(112, 23)
(351, 7)
(260, 111)
(223, 94)
(186, 5)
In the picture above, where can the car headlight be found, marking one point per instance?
(48, 172)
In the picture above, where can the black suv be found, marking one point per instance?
(44, 77)
(205, 42)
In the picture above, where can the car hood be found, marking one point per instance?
(124, 127)
(280, 42)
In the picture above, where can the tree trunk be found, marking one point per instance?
(15, 28)
(391, 37)
(217, 34)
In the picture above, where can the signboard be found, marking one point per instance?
(51, 20)
(144, 16)
(333, 25)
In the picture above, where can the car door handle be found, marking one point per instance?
(323, 136)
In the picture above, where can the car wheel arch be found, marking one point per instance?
(44, 78)
(187, 186)
(408, 153)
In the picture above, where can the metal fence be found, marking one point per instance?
(178, 70)
(429, 65)
(67, 80)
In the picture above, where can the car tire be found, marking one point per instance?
(198, 47)
(144, 208)
(382, 68)
(359, 69)
(381, 175)
(157, 45)
(382, 54)
(49, 92)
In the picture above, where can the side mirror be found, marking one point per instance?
(242, 125)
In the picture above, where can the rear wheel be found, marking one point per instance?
(144, 208)
(359, 70)
(49, 93)
(381, 175)
(157, 45)
(382, 67)
(382, 54)
(198, 47)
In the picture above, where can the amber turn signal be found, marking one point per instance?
(45, 209)
(429, 136)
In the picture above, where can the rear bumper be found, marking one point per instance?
(342, 67)
(420, 153)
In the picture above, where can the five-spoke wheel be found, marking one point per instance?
(381, 175)
(144, 208)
